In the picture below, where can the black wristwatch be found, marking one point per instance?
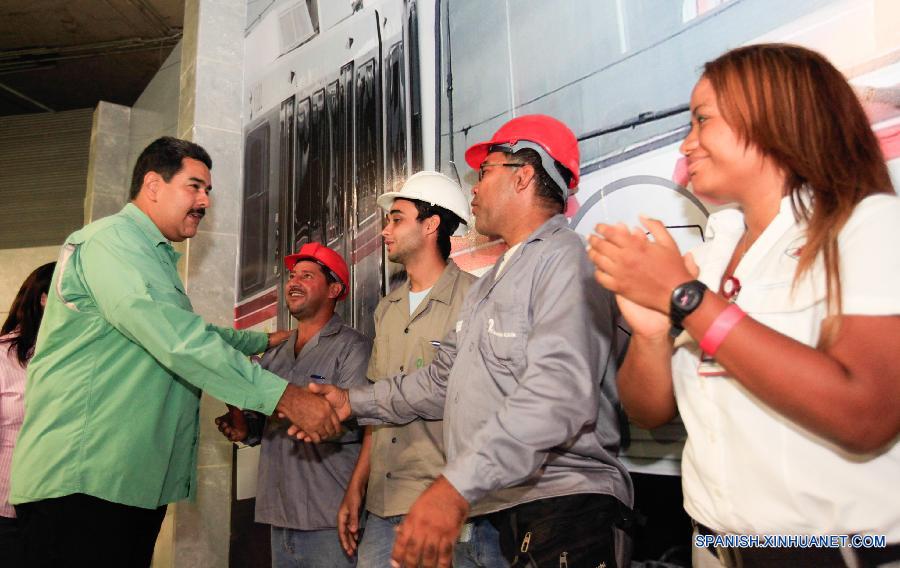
(685, 299)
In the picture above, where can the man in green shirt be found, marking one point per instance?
(113, 391)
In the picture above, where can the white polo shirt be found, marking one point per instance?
(746, 468)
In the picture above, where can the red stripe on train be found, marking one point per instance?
(256, 317)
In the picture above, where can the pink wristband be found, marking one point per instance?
(720, 328)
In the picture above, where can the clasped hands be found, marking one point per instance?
(335, 403)
(640, 271)
(315, 413)
(428, 533)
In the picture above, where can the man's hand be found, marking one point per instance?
(338, 398)
(278, 337)
(233, 424)
(348, 517)
(308, 412)
(427, 534)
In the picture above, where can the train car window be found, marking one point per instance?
(415, 101)
(334, 188)
(286, 182)
(396, 116)
(346, 101)
(254, 221)
(368, 142)
(345, 171)
(367, 249)
(318, 165)
(303, 185)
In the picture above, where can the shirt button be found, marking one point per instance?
(388, 475)
(401, 368)
(393, 440)
(406, 330)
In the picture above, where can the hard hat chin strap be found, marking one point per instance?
(547, 162)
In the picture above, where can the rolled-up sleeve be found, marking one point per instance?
(177, 338)
(557, 395)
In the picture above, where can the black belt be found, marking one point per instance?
(799, 557)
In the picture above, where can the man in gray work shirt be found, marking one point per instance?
(526, 382)
(300, 485)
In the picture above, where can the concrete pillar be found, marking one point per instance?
(209, 114)
(109, 173)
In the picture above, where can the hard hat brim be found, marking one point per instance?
(291, 260)
(385, 201)
(477, 153)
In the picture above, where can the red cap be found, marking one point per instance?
(550, 134)
(326, 257)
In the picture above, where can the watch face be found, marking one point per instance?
(687, 297)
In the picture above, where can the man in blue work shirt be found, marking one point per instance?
(300, 486)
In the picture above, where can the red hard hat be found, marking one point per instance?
(326, 257)
(550, 134)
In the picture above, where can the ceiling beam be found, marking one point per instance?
(15, 60)
(25, 98)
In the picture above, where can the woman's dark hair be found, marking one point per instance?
(26, 312)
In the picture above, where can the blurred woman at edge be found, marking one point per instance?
(792, 412)
(17, 338)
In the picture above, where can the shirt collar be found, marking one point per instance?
(333, 327)
(442, 290)
(550, 226)
(147, 226)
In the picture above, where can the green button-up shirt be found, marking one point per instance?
(113, 391)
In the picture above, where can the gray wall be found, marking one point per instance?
(591, 63)
(155, 113)
(43, 167)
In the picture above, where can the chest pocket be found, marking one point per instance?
(796, 312)
(422, 354)
(781, 296)
(505, 334)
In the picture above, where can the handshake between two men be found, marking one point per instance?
(315, 413)
(319, 420)
(311, 414)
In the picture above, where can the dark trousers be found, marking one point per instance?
(11, 551)
(80, 530)
(573, 531)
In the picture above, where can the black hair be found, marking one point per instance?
(448, 225)
(547, 191)
(165, 156)
(26, 312)
(330, 276)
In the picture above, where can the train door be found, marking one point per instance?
(260, 215)
(283, 217)
(323, 163)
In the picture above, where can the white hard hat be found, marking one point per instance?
(433, 188)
